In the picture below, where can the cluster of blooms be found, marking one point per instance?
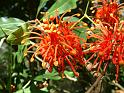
(109, 44)
(56, 45)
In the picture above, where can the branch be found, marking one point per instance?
(118, 85)
(95, 83)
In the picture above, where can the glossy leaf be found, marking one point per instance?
(13, 28)
(10, 25)
(61, 6)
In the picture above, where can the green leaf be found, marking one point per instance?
(48, 75)
(27, 90)
(31, 89)
(16, 37)
(39, 78)
(45, 90)
(41, 5)
(19, 55)
(53, 75)
(69, 73)
(9, 25)
(14, 28)
(71, 19)
(61, 6)
(81, 32)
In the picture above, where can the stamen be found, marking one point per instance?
(63, 15)
(90, 58)
(47, 52)
(55, 54)
(107, 24)
(34, 33)
(103, 29)
(117, 72)
(121, 5)
(72, 67)
(100, 63)
(96, 60)
(35, 54)
(111, 15)
(96, 36)
(35, 45)
(66, 45)
(71, 17)
(51, 64)
(56, 63)
(105, 67)
(34, 38)
(115, 28)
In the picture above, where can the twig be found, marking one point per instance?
(118, 85)
(98, 79)
(81, 17)
(27, 84)
(95, 84)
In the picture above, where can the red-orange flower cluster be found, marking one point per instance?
(56, 44)
(106, 10)
(109, 44)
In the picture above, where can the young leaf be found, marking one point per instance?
(10, 25)
(17, 36)
(13, 28)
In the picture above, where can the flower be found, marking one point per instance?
(109, 46)
(107, 9)
(109, 43)
(56, 45)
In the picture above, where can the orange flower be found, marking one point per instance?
(107, 9)
(56, 45)
(109, 46)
